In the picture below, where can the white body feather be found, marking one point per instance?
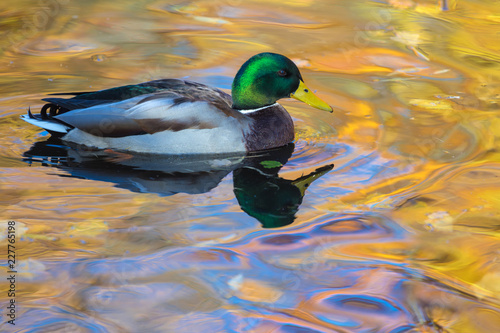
(189, 141)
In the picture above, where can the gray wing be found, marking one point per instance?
(150, 113)
(109, 120)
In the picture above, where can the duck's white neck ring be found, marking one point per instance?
(258, 109)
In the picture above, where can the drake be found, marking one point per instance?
(173, 116)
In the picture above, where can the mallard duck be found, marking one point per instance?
(173, 116)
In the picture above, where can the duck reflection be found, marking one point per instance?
(259, 190)
(272, 200)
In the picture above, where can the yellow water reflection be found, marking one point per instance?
(401, 236)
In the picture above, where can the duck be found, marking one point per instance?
(176, 116)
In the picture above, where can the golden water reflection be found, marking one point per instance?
(401, 236)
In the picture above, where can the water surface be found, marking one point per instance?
(401, 236)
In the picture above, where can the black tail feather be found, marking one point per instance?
(30, 114)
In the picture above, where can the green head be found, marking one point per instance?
(263, 79)
(267, 77)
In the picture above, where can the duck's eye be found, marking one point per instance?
(282, 72)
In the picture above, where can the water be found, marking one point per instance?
(400, 236)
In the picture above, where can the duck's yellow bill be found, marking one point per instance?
(305, 95)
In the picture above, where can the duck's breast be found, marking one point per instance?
(269, 127)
